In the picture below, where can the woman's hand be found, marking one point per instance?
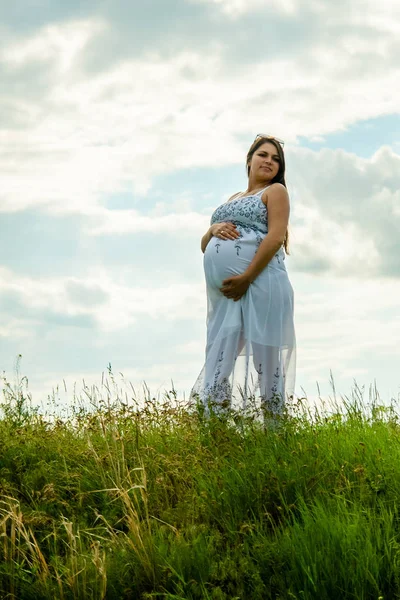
(225, 231)
(235, 287)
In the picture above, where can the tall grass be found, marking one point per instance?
(157, 501)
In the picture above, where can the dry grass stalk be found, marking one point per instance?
(19, 543)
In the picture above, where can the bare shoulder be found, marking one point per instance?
(276, 192)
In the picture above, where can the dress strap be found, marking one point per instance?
(243, 195)
(260, 192)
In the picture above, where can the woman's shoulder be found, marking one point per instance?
(276, 186)
(276, 190)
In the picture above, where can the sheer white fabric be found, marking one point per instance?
(251, 345)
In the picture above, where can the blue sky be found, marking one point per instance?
(123, 125)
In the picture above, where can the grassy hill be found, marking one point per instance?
(161, 502)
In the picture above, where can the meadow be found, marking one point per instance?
(160, 501)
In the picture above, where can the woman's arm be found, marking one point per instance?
(278, 218)
(225, 231)
(205, 239)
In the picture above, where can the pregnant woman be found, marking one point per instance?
(251, 345)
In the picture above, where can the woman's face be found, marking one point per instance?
(265, 162)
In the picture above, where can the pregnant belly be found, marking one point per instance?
(225, 258)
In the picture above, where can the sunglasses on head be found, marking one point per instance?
(264, 136)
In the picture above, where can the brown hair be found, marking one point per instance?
(279, 177)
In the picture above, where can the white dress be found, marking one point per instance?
(251, 344)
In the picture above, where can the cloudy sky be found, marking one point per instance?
(123, 124)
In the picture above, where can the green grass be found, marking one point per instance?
(118, 502)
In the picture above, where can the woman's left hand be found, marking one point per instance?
(235, 287)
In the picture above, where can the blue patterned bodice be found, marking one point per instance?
(248, 212)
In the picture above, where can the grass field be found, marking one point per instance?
(161, 502)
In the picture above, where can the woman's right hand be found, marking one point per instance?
(224, 231)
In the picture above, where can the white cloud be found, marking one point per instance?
(339, 325)
(345, 216)
(360, 12)
(14, 329)
(236, 8)
(348, 328)
(324, 245)
(110, 222)
(102, 296)
(61, 43)
(115, 130)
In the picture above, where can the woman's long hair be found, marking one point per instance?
(279, 177)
